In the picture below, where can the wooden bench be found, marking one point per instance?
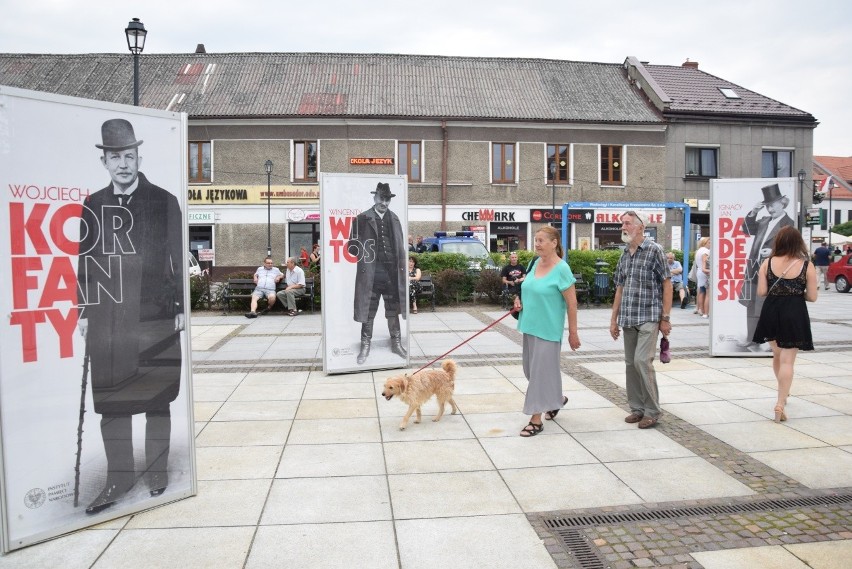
(427, 289)
(237, 289)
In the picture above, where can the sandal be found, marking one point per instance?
(527, 432)
(550, 415)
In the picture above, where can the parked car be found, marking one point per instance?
(840, 273)
(461, 242)
(194, 267)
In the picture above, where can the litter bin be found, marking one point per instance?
(601, 281)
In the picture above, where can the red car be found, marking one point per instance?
(840, 273)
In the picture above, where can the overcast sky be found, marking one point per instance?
(794, 51)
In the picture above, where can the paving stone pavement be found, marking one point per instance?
(335, 483)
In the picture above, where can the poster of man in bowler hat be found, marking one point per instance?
(95, 389)
(132, 335)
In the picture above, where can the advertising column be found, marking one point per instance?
(94, 364)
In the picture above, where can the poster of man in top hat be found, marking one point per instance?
(95, 425)
(742, 236)
(364, 272)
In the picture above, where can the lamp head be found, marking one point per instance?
(136, 33)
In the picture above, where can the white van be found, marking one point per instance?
(194, 267)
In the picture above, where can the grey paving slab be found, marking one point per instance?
(712, 412)
(447, 455)
(760, 436)
(237, 462)
(825, 555)
(834, 430)
(327, 500)
(253, 410)
(307, 545)
(767, 557)
(450, 427)
(553, 450)
(823, 467)
(676, 479)
(318, 461)
(470, 542)
(219, 503)
(187, 548)
(840, 402)
(76, 551)
(243, 433)
(543, 489)
(328, 431)
(450, 494)
(631, 445)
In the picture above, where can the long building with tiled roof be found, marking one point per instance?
(475, 137)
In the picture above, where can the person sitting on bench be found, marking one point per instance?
(295, 281)
(265, 277)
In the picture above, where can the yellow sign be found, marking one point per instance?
(229, 195)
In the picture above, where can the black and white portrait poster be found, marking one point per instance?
(746, 214)
(94, 361)
(364, 272)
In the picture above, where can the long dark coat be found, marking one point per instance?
(130, 287)
(365, 232)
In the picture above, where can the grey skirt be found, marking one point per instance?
(541, 368)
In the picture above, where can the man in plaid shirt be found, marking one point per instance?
(642, 304)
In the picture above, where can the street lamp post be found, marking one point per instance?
(268, 166)
(553, 189)
(830, 211)
(801, 175)
(136, 33)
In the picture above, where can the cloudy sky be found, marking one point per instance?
(797, 52)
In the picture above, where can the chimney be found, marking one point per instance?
(200, 49)
(692, 64)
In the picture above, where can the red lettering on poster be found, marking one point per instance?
(33, 254)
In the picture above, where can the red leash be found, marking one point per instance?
(465, 342)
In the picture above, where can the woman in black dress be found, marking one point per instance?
(787, 280)
(414, 289)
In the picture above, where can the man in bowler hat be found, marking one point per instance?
(763, 230)
(379, 244)
(130, 294)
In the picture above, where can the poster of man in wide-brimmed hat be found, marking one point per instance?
(364, 272)
(94, 362)
(746, 214)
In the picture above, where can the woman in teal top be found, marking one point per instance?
(548, 294)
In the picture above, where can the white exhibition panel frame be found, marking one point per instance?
(48, 166)
(342, 198)
(731, 200)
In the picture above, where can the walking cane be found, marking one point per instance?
(80, 424)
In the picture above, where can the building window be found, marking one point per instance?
(611, 165)
(701, 162)
(557, 153)
(305, 161)
(502, 162)
(199, 162)
(409, 160)
(777, 164)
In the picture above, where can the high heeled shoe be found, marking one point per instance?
(779, 414)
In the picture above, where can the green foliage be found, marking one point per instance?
(437, 262)
(489, 284)
(844, 229)
(453, 284)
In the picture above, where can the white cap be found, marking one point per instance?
(642, 217)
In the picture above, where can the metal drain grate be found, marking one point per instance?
(669, 513)
(579, 546)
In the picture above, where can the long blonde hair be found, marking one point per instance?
(703, 242)
(554, 235)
